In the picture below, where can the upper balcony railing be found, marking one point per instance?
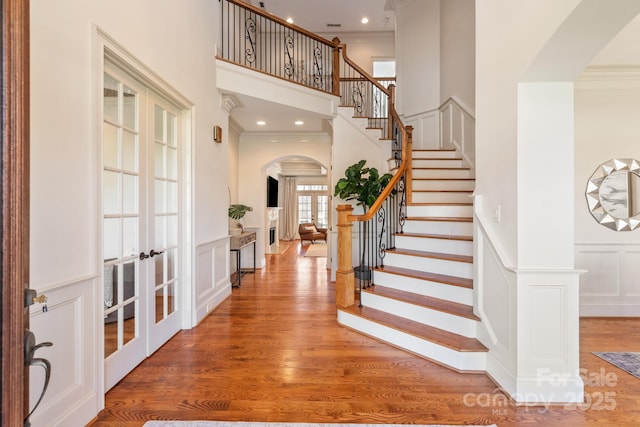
(258, 40)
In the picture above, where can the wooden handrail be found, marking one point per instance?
(281, 21)
(407, 133)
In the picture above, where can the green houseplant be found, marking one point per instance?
(237, 212)
(364, 185)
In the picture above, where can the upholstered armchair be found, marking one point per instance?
(309, 231)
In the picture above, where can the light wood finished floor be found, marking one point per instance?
(274, 352)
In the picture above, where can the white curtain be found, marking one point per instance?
(289, 224)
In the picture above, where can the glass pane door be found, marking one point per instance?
(165, 257)
(124, 305)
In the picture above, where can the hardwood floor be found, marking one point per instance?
(274, 352)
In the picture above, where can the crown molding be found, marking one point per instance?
(609, 77)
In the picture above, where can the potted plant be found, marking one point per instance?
(237, 212)
(364, 185)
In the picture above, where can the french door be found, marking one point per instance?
(313, 205)
(140, 185)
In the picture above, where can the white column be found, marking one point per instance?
(547, 306)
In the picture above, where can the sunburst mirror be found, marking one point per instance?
(613, 194)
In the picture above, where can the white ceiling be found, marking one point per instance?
(317, 15)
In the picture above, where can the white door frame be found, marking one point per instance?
(109, 49)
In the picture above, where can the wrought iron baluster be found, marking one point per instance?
(289, 67)
(317, 66)
(358, 97)
(250, 37)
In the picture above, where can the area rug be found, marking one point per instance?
(316, 250)
(628, 362)
(259, 424)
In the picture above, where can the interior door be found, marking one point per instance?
(141, 216)
(164, 285)
(124, 132)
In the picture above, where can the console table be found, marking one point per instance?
(236, 245)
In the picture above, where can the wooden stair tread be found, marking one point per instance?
(441, 218)
(444, 338)
(431, 277)
(425, 301)
(434, 255)
(436, 236)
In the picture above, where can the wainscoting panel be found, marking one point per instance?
(458, 130)
(610, 287)
(426, 130)
(72, 396)
(212, 276)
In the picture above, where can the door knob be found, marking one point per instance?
(143, 256)
(153, 253)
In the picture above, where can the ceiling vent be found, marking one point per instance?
(334, 25)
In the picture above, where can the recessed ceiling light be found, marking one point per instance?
(261, 123)
(299, 122)
(365, 20)
(290, 20)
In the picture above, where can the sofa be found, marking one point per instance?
(309, 231)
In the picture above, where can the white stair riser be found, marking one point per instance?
(438, 319)
(441, 210)
(439, 227)
(460, 360)
(443, 184)
(444, 291)
(436, 163)
(440, 197)
(434, 154)
(431, 265)
(428, 244)
(442, 173)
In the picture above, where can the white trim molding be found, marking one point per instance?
(610, 287)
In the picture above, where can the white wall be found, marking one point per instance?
(362, 48)
(176, 40)
(458, 52)
(418, 56)
(607, 105)
(234, 160)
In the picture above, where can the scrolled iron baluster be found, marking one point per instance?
(250, 29)
(402, 215)
(289, 68)
(358, 98)
(382, 247)
(317, 67)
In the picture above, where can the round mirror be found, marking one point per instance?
(613, 194)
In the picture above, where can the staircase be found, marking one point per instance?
(422, 299)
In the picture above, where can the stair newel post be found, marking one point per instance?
(336, 66)
(344, 275)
